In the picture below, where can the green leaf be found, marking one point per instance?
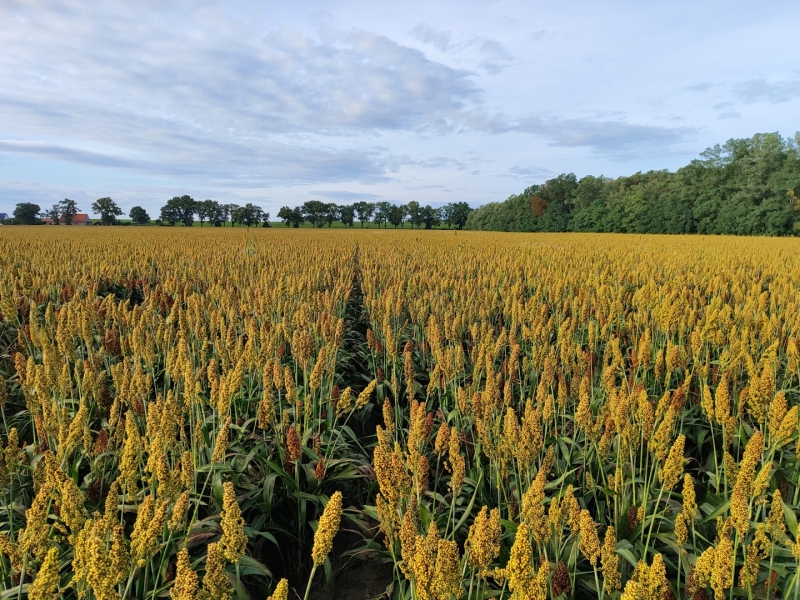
(791, 518)
(467, 511)
(250, 566)
(717, 511)
(268, 491)
(628, 555)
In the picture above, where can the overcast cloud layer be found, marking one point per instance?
(278, 103)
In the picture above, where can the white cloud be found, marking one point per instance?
(726, 110)
(218, 99)
(532, 171)
(699, 87)
(776, 92)
(538, 35)
(618, 139)
(489, 54)
(429, 35)
(344, 195)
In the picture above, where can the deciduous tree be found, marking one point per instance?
(139, 215)
(293, 217)
(69, 208)
(107, 209)
(180, 209)
(347, 214)
(54, 214)
(364, 210)
(314, 212)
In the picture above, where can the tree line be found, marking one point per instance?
(179, 209)
(319, 213)
(747, 186)
(186, 210)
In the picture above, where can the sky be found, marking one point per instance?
(277, 103)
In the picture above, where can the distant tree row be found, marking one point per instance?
(745, 187)
(319, 213)
(184, 209)
(180, 209)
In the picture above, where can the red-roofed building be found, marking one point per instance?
(79, 219)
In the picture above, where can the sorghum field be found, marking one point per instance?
(218, 414)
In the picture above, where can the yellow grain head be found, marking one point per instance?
(327, 529)
(215, 582)
(221, 447)
(281, 591)
(589, 542)
(186, 581)
(233, 540)
(609, 561)
(519, 570)
(45, 585)
(671, 472)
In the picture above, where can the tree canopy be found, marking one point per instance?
(54, 214)
(108, 210)
(292, 217)
(179, 209)
(69, 208)
(744, 187)
(139, 215)
(26, 213)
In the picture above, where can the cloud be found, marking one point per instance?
(755, 90)
(431, 186)
(538, 35)
(359, 80)
(442, 162)
(616, 139)
(528, 172)
(699, 87)
(15, 191)
(216, 99)
(726, 110)
(489, 54)
(268, 165)
(344, 195)
(69, 154)
(496, 57)
(428, 35)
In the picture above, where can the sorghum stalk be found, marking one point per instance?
(327, 529)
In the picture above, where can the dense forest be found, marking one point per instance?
(745, 187)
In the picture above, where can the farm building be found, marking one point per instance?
(78, 219)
